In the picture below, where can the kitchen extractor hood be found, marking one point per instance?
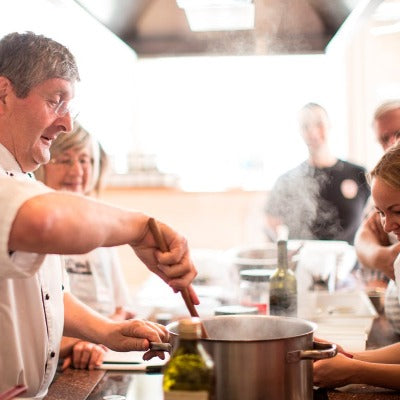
(155, 28)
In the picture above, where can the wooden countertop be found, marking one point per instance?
(74, 384)
(95, 385)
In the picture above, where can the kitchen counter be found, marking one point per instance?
(95, 385)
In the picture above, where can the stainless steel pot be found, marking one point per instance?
(262, 357)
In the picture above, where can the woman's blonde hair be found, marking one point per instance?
(77, 139)
(388, 167)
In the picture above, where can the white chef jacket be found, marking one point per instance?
(31, 294)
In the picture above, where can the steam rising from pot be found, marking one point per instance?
(301, 208)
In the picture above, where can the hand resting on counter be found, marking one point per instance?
(379, 367)
(81, 354)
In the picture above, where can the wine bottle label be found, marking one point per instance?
(186, 395)
(283, 304)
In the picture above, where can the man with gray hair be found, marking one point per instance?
(37, 79)
(376, 249)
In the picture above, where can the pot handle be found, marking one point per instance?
(155, 346)
(320, 351)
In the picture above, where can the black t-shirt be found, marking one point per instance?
(320, 203)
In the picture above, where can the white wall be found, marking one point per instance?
(373, 76)
(216, 221)
(223, 122)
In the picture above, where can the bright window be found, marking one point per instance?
(226, 122)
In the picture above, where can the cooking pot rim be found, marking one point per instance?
(312, 327)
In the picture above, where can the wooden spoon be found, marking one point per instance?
(162, 245)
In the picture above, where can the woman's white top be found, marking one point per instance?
(392, 299)
(31, 294)
(96, 279)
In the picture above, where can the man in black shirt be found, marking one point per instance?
(323, 198)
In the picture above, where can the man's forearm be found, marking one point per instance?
(61, 223)
(80, 321)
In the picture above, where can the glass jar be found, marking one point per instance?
(254, 289)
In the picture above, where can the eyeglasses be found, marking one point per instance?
(84, 162)
(63, 107)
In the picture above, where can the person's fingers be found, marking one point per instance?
(161, 330)
(66, 363)
(178, 276)
(76, 355)
(151, 354)
(85, 356)
(144, 329)
(178, 271)
(100, 357)
(137, 335)
(81, 354)
(96, 357)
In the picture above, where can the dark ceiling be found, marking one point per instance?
(156, 28)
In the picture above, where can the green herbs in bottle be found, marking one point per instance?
(283, 286)
(189, 374)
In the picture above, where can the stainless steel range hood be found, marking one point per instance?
(160, 27)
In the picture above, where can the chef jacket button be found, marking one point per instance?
(47, 297)
(52, 354)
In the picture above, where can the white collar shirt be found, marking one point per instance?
(31, 294)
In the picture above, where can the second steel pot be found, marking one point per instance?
(260, 357)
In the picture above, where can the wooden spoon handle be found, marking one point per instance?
(158, 237)
(162, 245)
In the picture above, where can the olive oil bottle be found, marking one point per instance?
(189, 374)
(283, 286)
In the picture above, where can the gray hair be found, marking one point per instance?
(386, 107)
(28, 59)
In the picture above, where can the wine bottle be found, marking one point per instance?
(283, 286)
(189, 374)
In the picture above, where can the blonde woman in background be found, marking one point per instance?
(79, 164)
(380, 367)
